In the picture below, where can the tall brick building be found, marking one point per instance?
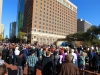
(47, 20)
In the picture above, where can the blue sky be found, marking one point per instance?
(87, 10)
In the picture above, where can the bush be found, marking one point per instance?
(88, 43)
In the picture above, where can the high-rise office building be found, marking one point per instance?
(0, 10)
(12, 30)
(20, 15)
(47, 20)
(83, 25)
(1, 25)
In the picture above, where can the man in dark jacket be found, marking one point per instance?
(4, 54)
(95, 62)
(47, 64)
(26, 52)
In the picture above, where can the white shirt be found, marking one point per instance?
(75, 57)
(92, 48)
(96, 48)
(60, 61)
(17, 52)
(1, 62)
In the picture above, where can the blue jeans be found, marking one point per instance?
(76, 63)
(80, 51)
(15, 58)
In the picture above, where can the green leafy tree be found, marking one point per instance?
(1, 38)
(92, 33)
(21, 35)
(90, 37)
(76, 36)
(98, 30)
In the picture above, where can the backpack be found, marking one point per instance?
(71, 57)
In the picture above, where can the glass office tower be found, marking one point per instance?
(20, 15)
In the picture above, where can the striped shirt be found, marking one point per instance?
(32, 60)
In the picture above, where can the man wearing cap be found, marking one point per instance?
(31, 62)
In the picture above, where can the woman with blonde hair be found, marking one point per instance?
(82, 61)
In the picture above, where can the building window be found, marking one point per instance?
(40, 10)
(36, 1)
(35, 21)
(43, 19)
(39, 26)
(40, 40)
(34, 30)
(43, 15)
(47, 41)
(34, 37)
(46, 24)
(43, 23)
(47, 17)
(34, 25)
(35, 17)
(41, 7)
(42, 31)
(46, 20)
(39, 30)
(46, 28)
(52, 22)
(50, 4)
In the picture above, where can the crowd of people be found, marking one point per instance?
(52, 60)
